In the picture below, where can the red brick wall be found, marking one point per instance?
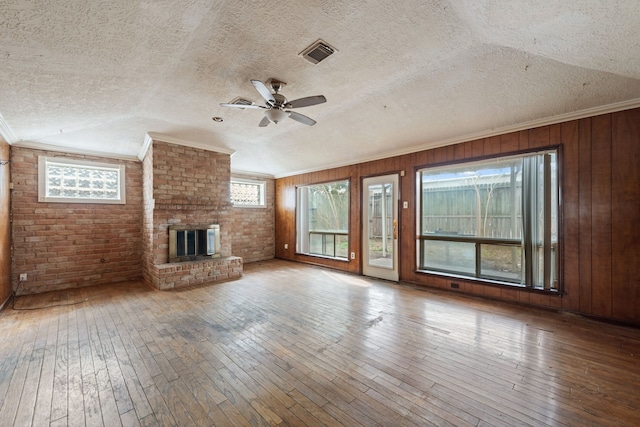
(60, 245)
(253, 229)
(183, 185)
(66, 245)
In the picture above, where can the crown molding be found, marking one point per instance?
(546, 121)
(6, 132)
(154, 136)
(145, 147)
(249, 175)
(71, 150)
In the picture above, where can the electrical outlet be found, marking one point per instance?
(23, 277)
(353, 255)
(405, 205)
(286, 246)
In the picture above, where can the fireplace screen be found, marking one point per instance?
(191, 243)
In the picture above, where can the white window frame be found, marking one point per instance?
(262, 185)
(303, 231)
(44, 162)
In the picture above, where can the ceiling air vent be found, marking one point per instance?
(317, 52)
(240, 101)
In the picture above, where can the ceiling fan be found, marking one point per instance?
(277, 107)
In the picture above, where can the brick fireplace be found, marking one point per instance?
(182, 188)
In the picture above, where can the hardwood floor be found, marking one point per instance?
(290, 344)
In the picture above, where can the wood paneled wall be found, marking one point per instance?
(286, 215)
(600, 207)
(5, 225)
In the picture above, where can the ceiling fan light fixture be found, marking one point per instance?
(275, 115)
(277, 106)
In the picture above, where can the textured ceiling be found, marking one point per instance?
(96, 76)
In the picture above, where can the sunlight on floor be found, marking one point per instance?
(347, 279)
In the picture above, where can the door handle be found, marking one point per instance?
(395, 229)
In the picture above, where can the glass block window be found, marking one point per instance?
(247, 193)
(78, 181)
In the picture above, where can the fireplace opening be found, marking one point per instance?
(190, 243)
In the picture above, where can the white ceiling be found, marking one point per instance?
(95, 76)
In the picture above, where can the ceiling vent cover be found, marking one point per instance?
(317, 52)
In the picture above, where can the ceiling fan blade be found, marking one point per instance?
(243, 106)
(306, 102)
(264, 122)
(264, 91)
(301, 118)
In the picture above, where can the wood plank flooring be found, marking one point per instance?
(290, 344)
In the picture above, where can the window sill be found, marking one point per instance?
(489, 282)
(323, 257)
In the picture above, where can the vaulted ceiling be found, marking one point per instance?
(97, 76)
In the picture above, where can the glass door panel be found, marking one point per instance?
(380, 238)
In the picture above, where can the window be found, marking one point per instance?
(493, 219)
(79, 181)
(322, 219)
(247, 193)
